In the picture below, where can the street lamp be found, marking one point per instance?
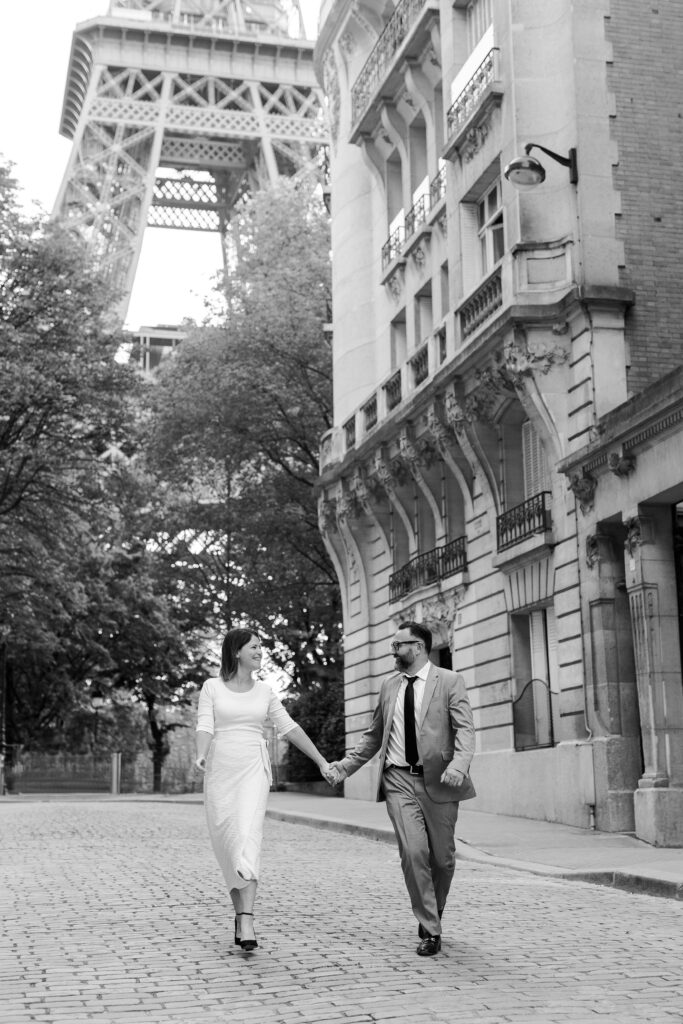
(96, 702)
(525, 172)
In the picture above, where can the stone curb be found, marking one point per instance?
(614, 879)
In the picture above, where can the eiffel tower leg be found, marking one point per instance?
(267, 151)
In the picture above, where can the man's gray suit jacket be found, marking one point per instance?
(445, 734)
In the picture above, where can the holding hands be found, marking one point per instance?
(332, 772)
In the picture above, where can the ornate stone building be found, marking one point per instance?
(503, 467)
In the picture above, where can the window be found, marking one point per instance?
(534, 462)
(534, 655)
(490, 228)
(479, 18)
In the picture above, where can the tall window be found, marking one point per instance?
(535, 464)
(479, 18)
(490, 227)
(535, 666)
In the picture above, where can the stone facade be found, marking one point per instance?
(487, 340)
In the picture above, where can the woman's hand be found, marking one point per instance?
(200, 764)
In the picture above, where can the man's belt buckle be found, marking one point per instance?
(415, 769)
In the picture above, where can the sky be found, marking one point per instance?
(176, 267)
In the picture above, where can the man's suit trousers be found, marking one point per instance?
(425, 831)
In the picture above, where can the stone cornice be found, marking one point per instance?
(655, 411)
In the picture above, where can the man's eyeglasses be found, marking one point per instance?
(399, 643)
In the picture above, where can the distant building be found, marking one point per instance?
(505, 463)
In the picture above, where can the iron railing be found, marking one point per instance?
(350, 433)
(392, 247)
(428, 568)
(532, 717)
(523, 521)
(392, 389)
(485, 301)
(381, 57)
(469, 99)
(370, 413)
(416, 215)
(420, 365)
(437, 188)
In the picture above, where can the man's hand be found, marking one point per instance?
(336, 773)
(200, 764)
(452, 777)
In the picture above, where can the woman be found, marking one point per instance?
(232, 711)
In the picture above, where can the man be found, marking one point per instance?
(424, 732)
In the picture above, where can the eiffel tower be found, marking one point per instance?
(177, 109)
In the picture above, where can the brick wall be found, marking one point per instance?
(646, 80)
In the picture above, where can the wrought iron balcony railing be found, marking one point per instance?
(370, 413)
(428, 568)
(485, 301)
(524, 521)
(469, 99)
(381, 57)
(417, 215)
(392, 389)
(392, 247)
(350, 433)
(437, 188)
(420, 365)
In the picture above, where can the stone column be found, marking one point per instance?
(651, 585)
(612, 696)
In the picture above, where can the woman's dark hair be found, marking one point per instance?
(420, 632)
(235, 640)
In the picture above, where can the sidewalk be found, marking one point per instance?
(523, 844)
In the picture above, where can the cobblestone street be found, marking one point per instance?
(115, 912)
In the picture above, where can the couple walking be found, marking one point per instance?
(422, 729)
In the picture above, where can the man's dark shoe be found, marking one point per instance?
(430, 945)
(420, 930)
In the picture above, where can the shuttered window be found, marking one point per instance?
(536, 476)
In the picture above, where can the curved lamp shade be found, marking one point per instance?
(524, 172)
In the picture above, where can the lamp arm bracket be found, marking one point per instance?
(566, 161)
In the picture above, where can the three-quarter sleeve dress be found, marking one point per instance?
(238, 775)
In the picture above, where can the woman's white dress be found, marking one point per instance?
(238, 775)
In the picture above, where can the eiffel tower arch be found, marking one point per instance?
(176, 110)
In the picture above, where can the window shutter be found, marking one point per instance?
(536, 477)
(537, 640)
(551, 632)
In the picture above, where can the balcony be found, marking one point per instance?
(482, 304)
(350, 433)
(428, 568)
(524, 521)
(417, 216)
(437, 189)
(405, 34)
(420, 365)
(391, 249)
(392, 390)
(473, 105)
(370, 414)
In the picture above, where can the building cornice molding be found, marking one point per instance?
(631, 426)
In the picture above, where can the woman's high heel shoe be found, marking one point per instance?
(238, 941)
(246, 944)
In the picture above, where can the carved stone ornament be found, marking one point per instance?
(417, 452)
(455, 414)
(473, 141)
(347, 44)
(327, 515)
(439, 614)
(583, 487)
(395, 285)
(348, 506)
(621, 463)
(438, 430)
(419, 256)
(599, 548)
(507, 372)
(442, 221)
(639, 531)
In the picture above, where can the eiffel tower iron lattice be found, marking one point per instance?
(176, 110)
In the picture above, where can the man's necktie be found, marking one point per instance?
(412, 755)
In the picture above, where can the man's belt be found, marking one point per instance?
(414, 769)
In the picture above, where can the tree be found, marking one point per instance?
(237, 417)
